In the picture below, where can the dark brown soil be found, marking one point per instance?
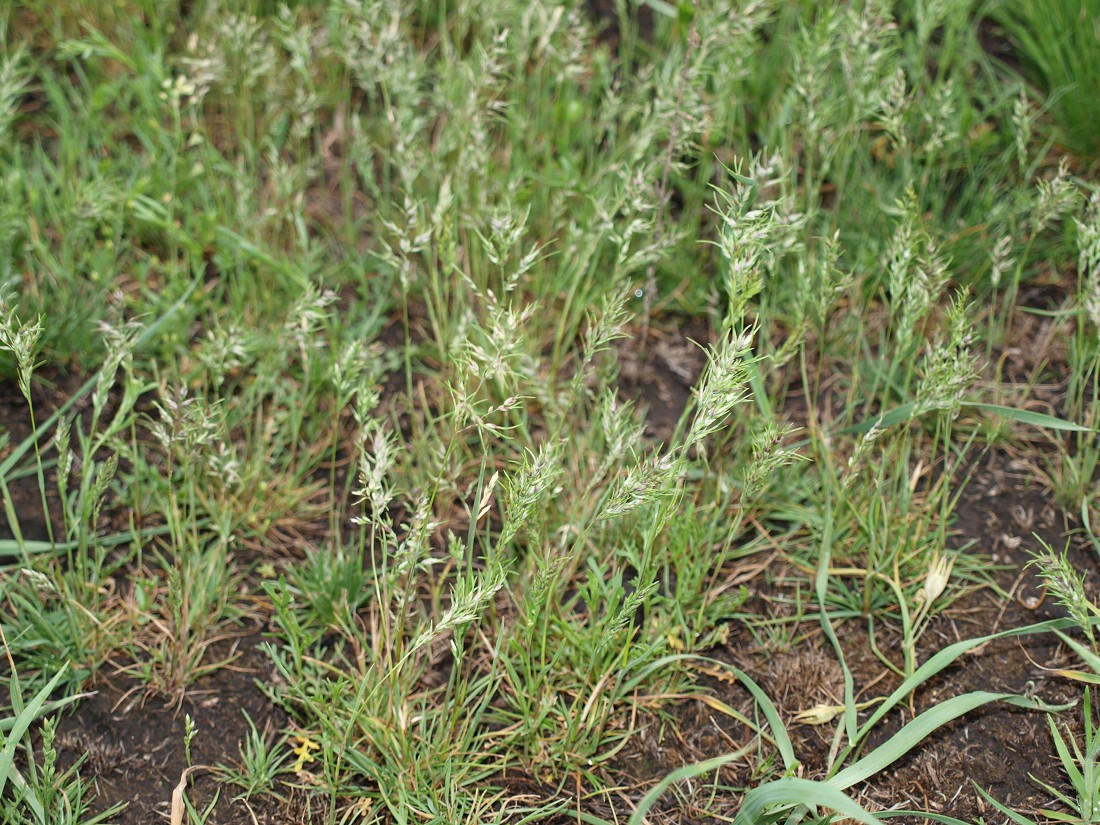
(135, 743)
(659, 376)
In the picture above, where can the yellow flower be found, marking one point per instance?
(304, 752)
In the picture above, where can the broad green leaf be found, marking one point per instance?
(1079, 676)
(775, 721)
(948, 656)
(919, 729)
(10, 547)
(793, 792)
(904, 412)
(1088, 656)
(1034, 419)
(885, 420)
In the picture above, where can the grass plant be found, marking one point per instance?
(1054, 47)
(364, 328)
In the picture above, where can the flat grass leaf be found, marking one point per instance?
(661, 7)
(915, 733)
(795, 792)
(1087, 655)
(1019, 819)
(11, 547)
(679, 775)
(948, 656)
(27, 714)
(1034, 419)
(885, 420)
(1079, 676)
(775, 721)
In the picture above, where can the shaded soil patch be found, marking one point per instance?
(659, 374)
(135, 744)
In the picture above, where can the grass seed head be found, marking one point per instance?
(1066, 585)
(936, 579)
(21, 340)
(1057, 196)
(1088, 260)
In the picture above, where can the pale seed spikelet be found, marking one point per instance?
(1022, 120)
(21, 340)
(1000, 260)
(119, 344)
(185, 426)
(353, 372)
(469, 600)
(644, 483)
(1088, 260)
(1057, 196)
(64, 456)
(14, 77)
(936, 579)
(858, 458)
(377, 456)
(528, 486)
(949, 368)
(619, 430)
(768, 455)
(625, 614)
(725, 386)
(894, 102)
(820, 714)
(940, 119)
(303, 323)
(1067, 586)
(224, 350)
(42, 583)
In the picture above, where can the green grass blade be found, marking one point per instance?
(1088, 656)
(1069, 764)
(771, 713)
(11, 547)
(792, 792)
(6, 725)
(821, 583)
(21, 723)
(919, 729)
(885, 420)
(948, 656)
(679, 775)
(1019, 819)
(904, 412)
(1033, 419)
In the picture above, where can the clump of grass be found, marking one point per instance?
(1058, 45)
(403, 253)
